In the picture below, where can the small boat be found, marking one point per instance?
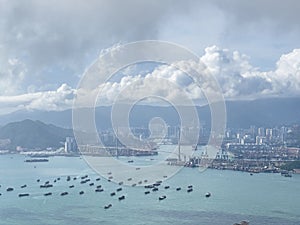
(155, 189)
(24, 186)
(138, 168)
(23, 195)
(129, 179)
(81, 192)
(46, 186)
(162, 197)
(140, 182)
(91, 184)
(68, 178)
(121, 183)
(64, 193)
(99, 190)
(190, 186)
(74, 178)
(83, 182)
(109, 173)
(178, 189)
(130, 161)
(98, 179)
(156, 184)
(71, 186)
(147, 192)
(189, 190)
(149, 186)
(48, 194)
(251, 174)
(167, 187)
(145, 181)
(38, 180)
(121, 197)
(288, 175)
(99, 186)
(119, 189)
(10, 189)
(58, 178)
(108, 206)
(47, 182)
(133, 185)
(165, 176)
(111, 177)
(208, 194)
(113, 194)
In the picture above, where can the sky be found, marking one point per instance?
(251, 47)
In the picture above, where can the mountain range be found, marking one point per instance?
(240, 114)
(41, 129)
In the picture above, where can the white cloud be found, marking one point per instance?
(60, 99)
(238, 79)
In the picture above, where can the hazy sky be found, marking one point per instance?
(252, 47)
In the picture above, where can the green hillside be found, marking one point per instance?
(34, 134)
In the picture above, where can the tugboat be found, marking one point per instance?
(122, 197)
(189, 190)
(108, 206)
(208, 194)
(162, 198)
(10, 189)
(155, 189)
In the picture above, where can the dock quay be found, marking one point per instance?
(115, 152)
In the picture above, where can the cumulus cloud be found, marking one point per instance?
(56, 40)
(236, 76)
(44, 44)
(56, 100)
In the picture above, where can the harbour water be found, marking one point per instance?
(261, 198)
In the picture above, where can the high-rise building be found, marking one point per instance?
(70, 145)
(261, 132)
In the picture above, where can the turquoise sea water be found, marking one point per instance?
(261, 199)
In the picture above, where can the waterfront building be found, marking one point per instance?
(70, 145)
